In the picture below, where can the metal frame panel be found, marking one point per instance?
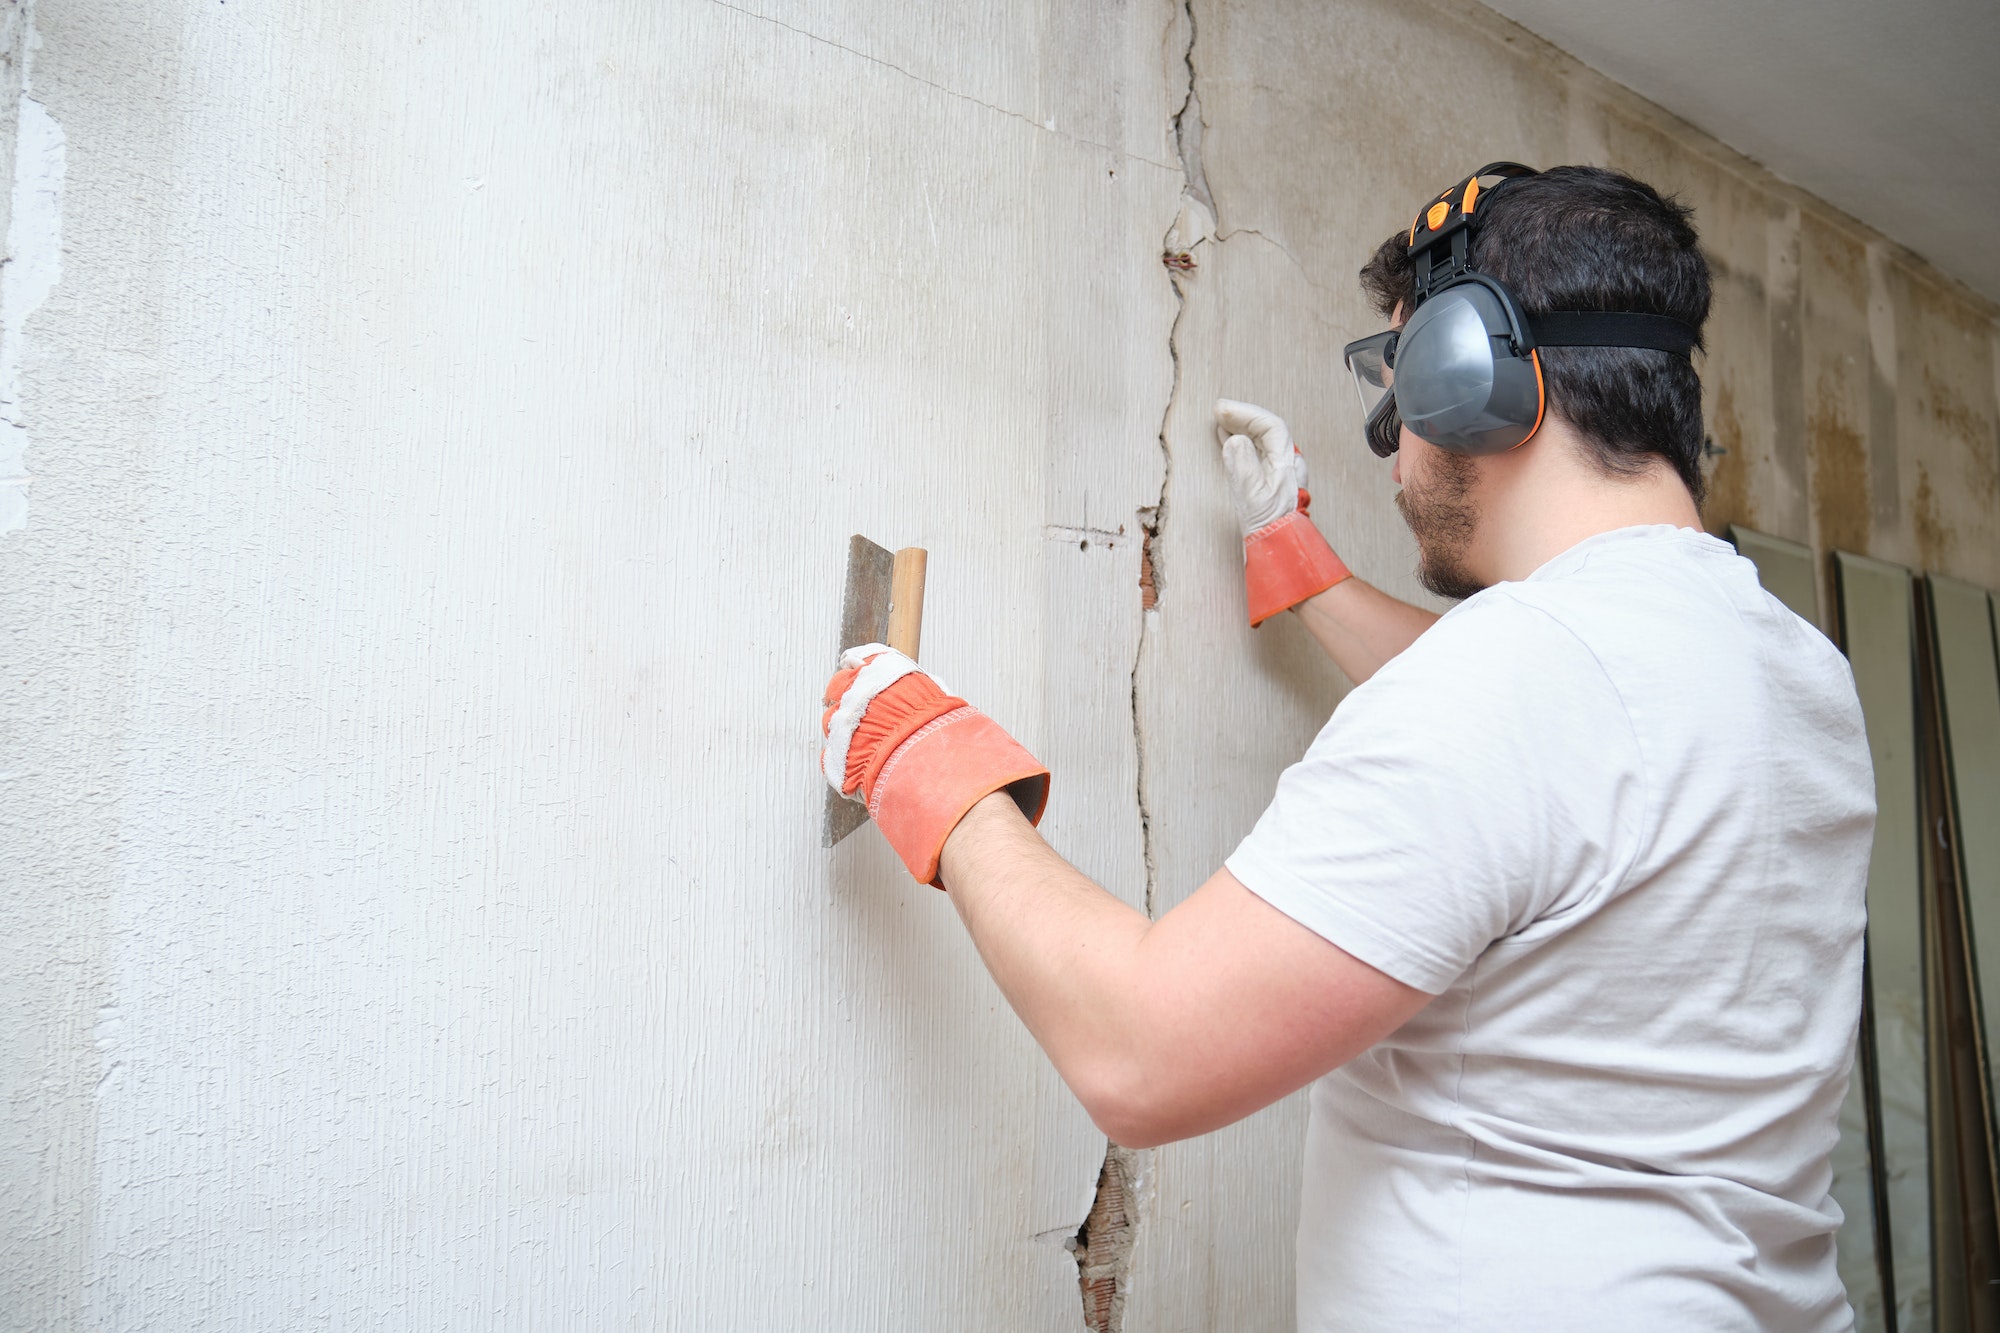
(1877, 609)
(1968, 683)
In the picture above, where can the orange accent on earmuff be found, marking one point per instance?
(1439, 212)
(1471, 196)
(1541, 398)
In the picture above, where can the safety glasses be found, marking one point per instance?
(1373, 363)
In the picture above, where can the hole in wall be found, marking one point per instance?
(1149, 578)
(1103, 1244)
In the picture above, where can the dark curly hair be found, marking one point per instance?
(1584, 238)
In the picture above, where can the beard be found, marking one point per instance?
(1443, 518)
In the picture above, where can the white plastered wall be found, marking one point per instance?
(445, 432)
(446, 435)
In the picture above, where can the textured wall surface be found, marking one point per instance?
(445, 429)
(445, 437)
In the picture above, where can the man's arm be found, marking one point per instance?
(1287, 564)
(1163, 1029)
(1170, 1028)
(1361, 627)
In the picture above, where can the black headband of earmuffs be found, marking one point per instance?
(1597, 328)
(1450, 392)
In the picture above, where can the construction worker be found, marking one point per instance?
(1561, 913)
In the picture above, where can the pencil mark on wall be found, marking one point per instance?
(1085, 536)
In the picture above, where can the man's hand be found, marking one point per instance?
(1266, 471)
(918, 755)
(1285, 559)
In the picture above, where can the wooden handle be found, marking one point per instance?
(906, 600)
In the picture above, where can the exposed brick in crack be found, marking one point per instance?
(1149, 579)
(1103, 1244)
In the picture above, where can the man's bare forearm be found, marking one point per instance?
(1168, 1028)
(1361, 627)
(1061, 948)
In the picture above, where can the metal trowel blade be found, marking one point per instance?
(864, 618)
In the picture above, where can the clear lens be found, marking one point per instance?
(1372, 360)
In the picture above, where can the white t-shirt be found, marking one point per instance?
(1616, 817)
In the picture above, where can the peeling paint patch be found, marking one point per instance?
(1948, 407)
(1885, 476)
(1839, 479)
(1840, 256)
(34, 266)
(1934, 537)
(1729, 485)
(1786, 309)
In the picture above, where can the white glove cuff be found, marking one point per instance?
(886, 668)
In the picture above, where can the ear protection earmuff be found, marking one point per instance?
(1464, 372)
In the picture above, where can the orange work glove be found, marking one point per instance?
(919, 756)
(1285, 560)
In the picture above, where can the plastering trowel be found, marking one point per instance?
(883, 603)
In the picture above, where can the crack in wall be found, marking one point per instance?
(1187, 128)
(1305, 273)
(1103, 1244)
(1047, 127)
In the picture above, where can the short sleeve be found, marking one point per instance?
(1483, 780)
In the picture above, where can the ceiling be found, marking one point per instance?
(1887, 109)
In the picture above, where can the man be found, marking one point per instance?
(1561, 913)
